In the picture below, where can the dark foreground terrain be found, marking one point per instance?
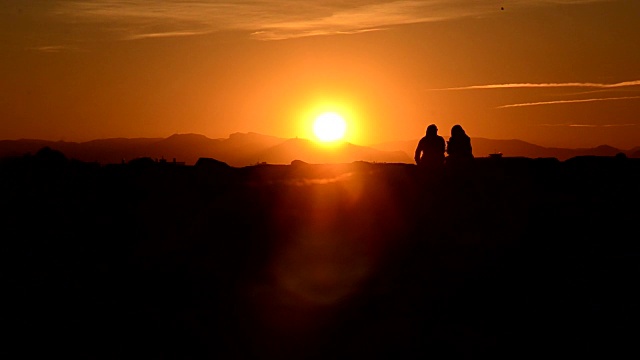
(510, 258)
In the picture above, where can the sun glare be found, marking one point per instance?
(329, 126)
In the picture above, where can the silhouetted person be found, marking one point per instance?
(430, 150)
(459, 150)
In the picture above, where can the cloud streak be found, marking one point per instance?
(548, 85)
(273, 19)
(567, 102)
(54, 48)
(166, 34)
(588, 125)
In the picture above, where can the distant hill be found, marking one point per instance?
(240, 149)
(634, 153)
(307, 151)
(103, 151)
(243, 149)
(517, 148)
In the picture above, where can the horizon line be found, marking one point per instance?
(348, 142)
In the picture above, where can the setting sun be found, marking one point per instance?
(329, 126)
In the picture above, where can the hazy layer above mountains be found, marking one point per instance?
(243, 149)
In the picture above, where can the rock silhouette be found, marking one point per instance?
(148, 259)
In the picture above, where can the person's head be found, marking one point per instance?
(432, 129)
(457, 130)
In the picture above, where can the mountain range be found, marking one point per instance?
(243, 149)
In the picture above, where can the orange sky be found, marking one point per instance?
(554, 73)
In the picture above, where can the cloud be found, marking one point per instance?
(567, 102)
(588, 125)
(54, 48)
(600, 86)
(166, 34)
(548, 85)
(273, 19)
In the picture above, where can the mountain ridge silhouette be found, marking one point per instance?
(243, 149)
(482, 147)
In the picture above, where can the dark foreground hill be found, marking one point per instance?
(509, 258)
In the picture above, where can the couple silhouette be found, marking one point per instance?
(431, 149)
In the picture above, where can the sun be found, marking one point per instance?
(329, 127)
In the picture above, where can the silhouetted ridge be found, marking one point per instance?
(243, 149)
(187, 139)
(314, 153)
(211, 163)
(142, 162)
(47, 155)
(252, 137)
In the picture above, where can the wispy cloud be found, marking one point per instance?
(600, 91)
(567, 102)
(588, 125)
(54, 48)
(548, 85)
(166, 34)
(588, 85)
(274, 19)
